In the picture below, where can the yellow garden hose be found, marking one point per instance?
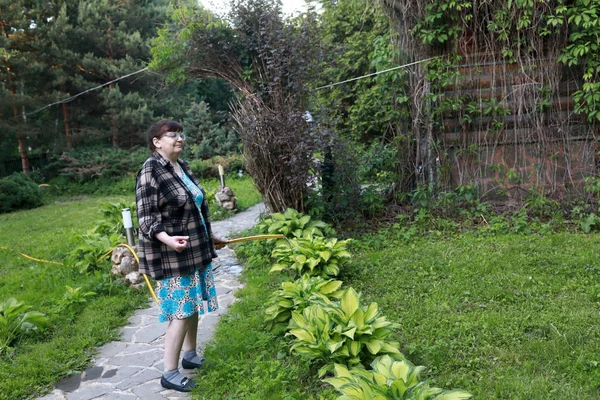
(232, 241)
(257, 237)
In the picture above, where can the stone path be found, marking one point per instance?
(131, 367)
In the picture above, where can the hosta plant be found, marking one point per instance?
(293, 224)
(296, 296)
(343, 332)
(87, 256)
(312, 255)
(389, 379)
(16, 320)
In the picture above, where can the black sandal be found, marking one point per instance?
(186, 384)
(185, 364)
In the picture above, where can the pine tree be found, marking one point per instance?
(23, 73)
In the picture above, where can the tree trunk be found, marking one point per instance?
(21, 140)
(68, 136)
(24, 158)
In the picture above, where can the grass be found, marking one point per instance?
(502, 316)
(246, 193)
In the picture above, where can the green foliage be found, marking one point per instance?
(441, 21)
(365, 110)
(296, 296)
(206, 139)
(589, 222)
(91, 163)
(342, 332)
(16, 320)
(312, 255)
(293, 224)
(87, 255)
(112, 218)
(17, 192)
(540, 205)
(73, 298)
(231, 164)
(592, 186)
(581, 17)
(389, 379)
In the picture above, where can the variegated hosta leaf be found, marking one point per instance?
(374, 345)
(371, 313)
(358, 319)
(349, 302)
(329, 287)
(278, 267)
(303, 335)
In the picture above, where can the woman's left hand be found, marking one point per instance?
(219, 242)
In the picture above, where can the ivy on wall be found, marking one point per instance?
(504, 72)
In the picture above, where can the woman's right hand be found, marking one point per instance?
(177, 243)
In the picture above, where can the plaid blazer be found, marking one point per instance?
(164, 204)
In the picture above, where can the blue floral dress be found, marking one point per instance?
(182, 296)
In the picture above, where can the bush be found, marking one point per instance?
(17, 192)
(210, 168)
(206, 139)
(106, 162)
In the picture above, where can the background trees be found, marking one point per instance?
(51, 50)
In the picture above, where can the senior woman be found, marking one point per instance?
(176, 247)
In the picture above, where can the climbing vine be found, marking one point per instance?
(504, 82)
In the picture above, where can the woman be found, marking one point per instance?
(176, 247)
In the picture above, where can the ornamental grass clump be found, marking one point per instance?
(312, 255)
(342, 332)
(389, 379)
(296, 296)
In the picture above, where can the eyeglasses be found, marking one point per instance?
(175, 135)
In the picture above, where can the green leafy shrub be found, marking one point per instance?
(342, 332)
(206, 139)
(293, 224)
(73, 297)
(101, 162)
(210, 168)
(296, 296)
(388, 379)
(16, 320)
(87, 256)
(312, 255)
(112, 221)
(18, 192)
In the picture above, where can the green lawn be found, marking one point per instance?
(504, 317)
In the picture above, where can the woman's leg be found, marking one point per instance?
(189, 343)
(174, 337)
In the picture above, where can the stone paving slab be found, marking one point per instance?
(130, 368)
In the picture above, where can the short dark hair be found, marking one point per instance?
(160, 128)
